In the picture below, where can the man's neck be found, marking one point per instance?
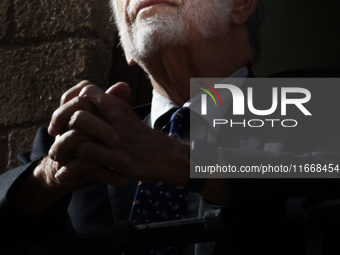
(171, 70)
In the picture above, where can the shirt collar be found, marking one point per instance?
(160, 104)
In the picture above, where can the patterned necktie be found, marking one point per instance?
(179, 125)
(161, 201)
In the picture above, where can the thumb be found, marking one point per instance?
(121, 90)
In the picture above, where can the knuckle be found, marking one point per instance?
(55, 150)
(80, 114)
(75, 133)
(84, 82)
(123, 159)
(69, 94)
(78, 135)
(56, 113)
(54, 119)
(76, 119)
(52, 153)
(83, 149)
(88, 90)
(64, 98)
(78, 102)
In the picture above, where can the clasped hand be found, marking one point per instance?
(99, 136)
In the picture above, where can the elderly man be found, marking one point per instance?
(101, 143)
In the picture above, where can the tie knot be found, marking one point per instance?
(180, 123)
(181, 114)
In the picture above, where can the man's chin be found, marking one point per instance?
(150, 38)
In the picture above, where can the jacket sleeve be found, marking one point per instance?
(17, 227)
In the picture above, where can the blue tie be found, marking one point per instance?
(179, 125)
(161, 201)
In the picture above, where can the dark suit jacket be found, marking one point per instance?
(84, 218)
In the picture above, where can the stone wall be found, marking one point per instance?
(45, 48)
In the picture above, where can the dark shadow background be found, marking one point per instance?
(300, 34)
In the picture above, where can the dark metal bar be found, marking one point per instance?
(179, 232)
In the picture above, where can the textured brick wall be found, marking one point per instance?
(45, 48)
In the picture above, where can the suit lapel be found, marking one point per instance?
(121, 200)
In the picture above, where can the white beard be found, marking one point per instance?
(197, 19)
(153, 33)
